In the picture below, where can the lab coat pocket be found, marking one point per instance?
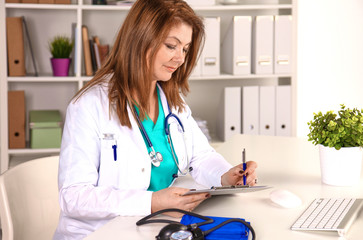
(110, 162)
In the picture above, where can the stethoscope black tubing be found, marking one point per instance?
(146, 220)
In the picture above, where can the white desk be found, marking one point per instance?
(288, 163)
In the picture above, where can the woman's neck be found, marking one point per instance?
(153, 103)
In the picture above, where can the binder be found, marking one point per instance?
(236, 47)
(283, 110)
(29, 1)
(86, 51)
(263, 45)
(197, 70)
(15, 46)
(201, 3)
(229, 122)
(210, 55)
(46, 1)
(16, 118)
(267, 110)
(282, 44)
(250, 110)
(62, 1)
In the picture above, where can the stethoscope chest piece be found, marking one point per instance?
(156, 158)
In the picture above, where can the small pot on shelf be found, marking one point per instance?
(60, 66)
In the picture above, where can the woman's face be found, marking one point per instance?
(172, 52)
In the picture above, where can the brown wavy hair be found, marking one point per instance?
(144, 30)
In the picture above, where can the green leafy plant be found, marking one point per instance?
(61, 47)
(344, 129)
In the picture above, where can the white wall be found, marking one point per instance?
(329, 57)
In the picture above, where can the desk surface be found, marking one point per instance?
(283, 163)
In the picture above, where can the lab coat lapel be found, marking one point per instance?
(136, 136)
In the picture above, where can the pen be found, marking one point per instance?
(244, 165)
(114, 152)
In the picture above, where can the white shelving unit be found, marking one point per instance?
(44, 21)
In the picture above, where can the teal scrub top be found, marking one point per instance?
(162, 176)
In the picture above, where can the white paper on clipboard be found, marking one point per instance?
(227, 190)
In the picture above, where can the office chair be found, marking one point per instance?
(29, 207)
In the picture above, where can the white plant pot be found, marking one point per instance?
(340, 167)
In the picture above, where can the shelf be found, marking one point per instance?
(44, 79)
(42, 6)
(242, 7)
(238, 77)
(106, 7)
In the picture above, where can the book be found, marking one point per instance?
(74, 38)
(86, 51)
(103, 49)
(93, 56)
(97, 55)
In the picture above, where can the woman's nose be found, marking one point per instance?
(179, 56)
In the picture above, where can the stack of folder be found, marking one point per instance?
(266, 110)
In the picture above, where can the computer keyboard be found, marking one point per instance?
(329, 214)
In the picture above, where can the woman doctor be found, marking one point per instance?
(116, 157)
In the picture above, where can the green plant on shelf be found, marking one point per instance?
(344, 129)
(61, 47)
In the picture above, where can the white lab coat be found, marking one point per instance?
(93, 187)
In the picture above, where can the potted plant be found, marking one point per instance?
(61, 48)
(340, 140)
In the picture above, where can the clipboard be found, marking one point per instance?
(227, 190)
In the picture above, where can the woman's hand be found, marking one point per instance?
(172, 198)
(234, 176)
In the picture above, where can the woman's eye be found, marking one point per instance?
(170, 46)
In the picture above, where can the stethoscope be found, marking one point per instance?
(156, 157)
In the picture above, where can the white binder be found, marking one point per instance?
(267, 110)
(229, 122)
(282, 44)
(210, 65)
(263, 45)
(250, 110)
(197, 70)
(201, 3)
(283, 110)
(236, 47)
